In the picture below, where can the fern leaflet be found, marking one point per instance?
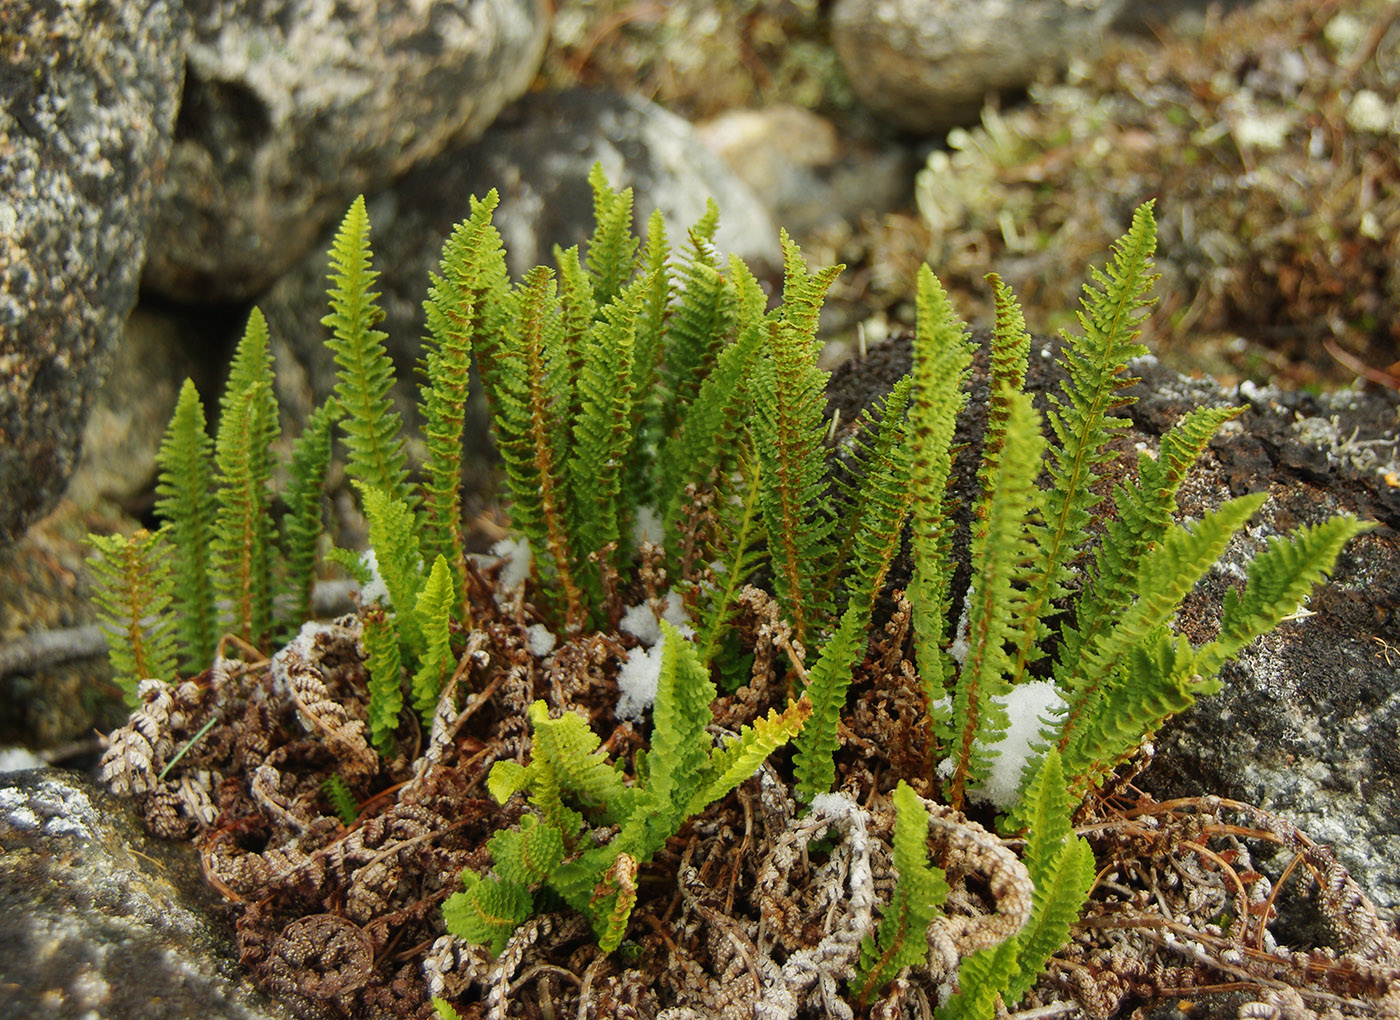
(432, 612)
(790, 433)
(302, 525)
(942, 360)
(185, 502)
(132, 592)
(371, 425)
(901, 940)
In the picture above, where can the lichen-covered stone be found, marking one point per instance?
(88, 94)
(292, 107)
(928, 65)
(103, 921)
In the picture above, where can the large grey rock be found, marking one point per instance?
(292, 107)
(88, 94)
(1306, 724)
(101, 921)
(806, 175)
(538, 157)
(928, 65)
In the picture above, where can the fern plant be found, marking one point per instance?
(633, 399)
(575, 793)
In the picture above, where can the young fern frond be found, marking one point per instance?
(699, 322)
(456, 311)
(1167, 573)
(813, 763)
(432, 612)
(384, 663)
(1146, 510)
(679, 754)
(602, 435)
(1062, 869)
(185, 502)
(341, 799)
(790, 431)
(487, 910)
(942, 361)
(528, 855)
(533, 438)
(1278, 581)
(1083, 422)
(739, 553)
(239, 550)
(612, 250)
(878, 502)
(132, 592)
(920, 889)
(394, 539)
(740, 758)
(1002, 546)
(302, 524)
(371, 425)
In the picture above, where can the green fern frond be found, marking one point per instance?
(384, 663)
(252, 366)
(603, 436)
(790, 431)
(1082, 421)
(902, 938)
(1278, 581)
(1002, 547)
(459, 300)
(444, 1009)
(577, 312)
(1010, 349)
(878, 504)
(239, 550)
(302, 525)
(648, 400)
(981, 979)
(132, 592)
(185, 502)
(679, 754)
(394, 538)
(740, 758)
(527, 855)
(942, 361)
(1061, 866)
(564, 760)
(1168, 572)
(432, 612)
(612, 250)
(1157, 680)
(342, 801)
(703, 449)
(739, 553)
(1146, 509)
(813, 764)
(533, 437)
(487, 910)
(700, 320)
(371, 425)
